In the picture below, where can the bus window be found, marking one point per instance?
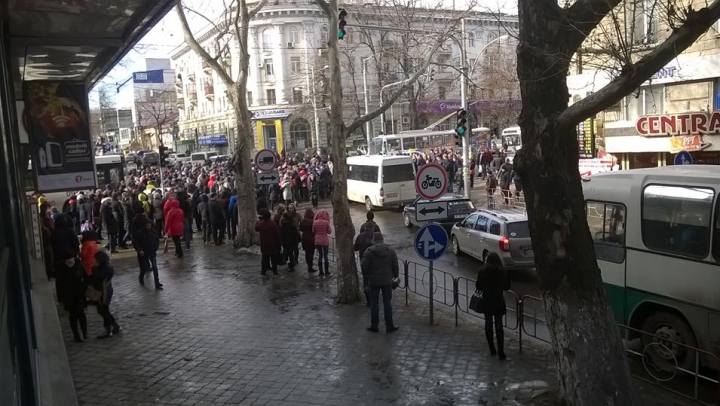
(393, 145)
(422, 142)
(398, 173)
(408, 143)
(437, 141)
(676, 219)
(607, 227)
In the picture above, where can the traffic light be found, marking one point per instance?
(461, 128)
(163, 156)
(342, 23)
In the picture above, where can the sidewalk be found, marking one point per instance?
(221, 334)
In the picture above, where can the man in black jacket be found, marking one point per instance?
(217, 219)
(146, 242)
(380, 266)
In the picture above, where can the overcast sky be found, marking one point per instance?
(167, 35)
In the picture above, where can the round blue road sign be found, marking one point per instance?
(431, 241)
(683, 158)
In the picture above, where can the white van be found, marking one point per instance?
(201, 157)
(381, 181)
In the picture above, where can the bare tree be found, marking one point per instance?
(494, 82)
(158, 111)
(348, 282)
(591, 361)
(233, 31)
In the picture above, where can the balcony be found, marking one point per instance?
(207, 69)
(192, 96)
(443, 75)
(180, 102)
(209, 91)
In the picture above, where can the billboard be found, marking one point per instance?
(56, 120)
(151, 76)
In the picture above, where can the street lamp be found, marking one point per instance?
(365, 93)
(316, 141)
(477, 58)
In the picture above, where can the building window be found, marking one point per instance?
(441, 93)
(297, 95)
(645, 27)
(647, 100)
(249, 99)
(471, 39)
(324, 34)
(269, 67)
(676, 219)
(299, 134)
(270, 93)
(293, 36)
(267, 39)
(295, 64)
(654, 99)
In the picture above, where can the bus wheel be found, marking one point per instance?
(368, 204)
(663, 351)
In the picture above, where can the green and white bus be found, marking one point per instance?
(657, 242)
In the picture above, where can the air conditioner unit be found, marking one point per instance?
(291, 45)
(406, 120)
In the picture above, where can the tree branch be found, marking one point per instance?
(195, 46)
(634, 75)
(584, 15)
(324, 5)
(407, 85)
(254, 11)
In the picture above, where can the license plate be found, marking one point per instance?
(529, 253)
(391, 195)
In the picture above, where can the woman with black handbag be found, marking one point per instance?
(492, 281)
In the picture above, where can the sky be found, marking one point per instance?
(167, 35)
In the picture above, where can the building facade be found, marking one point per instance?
(155, 106)
(287, 90)
(675, 110)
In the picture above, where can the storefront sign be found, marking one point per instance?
(589, 167)
(61, 146)
(213, 140)
(449, 106)
(270, 114)
(151, 76)
(679, 124)
(690, 144)
(585, 134)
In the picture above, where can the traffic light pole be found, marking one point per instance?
(464, 106)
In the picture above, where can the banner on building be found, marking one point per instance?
(151, 76)
(56, 117)
(690, 143)
(213, 140)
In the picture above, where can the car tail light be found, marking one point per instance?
(382, 192)
(505, 244)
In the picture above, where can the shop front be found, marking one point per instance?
(269, 128)
(655, 140)
(214, 142)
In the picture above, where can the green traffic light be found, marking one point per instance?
(341, 34)
(461, 130)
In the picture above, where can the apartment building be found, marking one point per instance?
(675, 110)
(288, 79)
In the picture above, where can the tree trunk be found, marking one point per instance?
(348, 281)
(591, 361)
(244, 180)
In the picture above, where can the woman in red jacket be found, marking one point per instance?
(321, 229)
(174, 225)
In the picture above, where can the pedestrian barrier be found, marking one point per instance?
(528, 308)
(466, 287)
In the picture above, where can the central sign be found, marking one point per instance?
(679, 124)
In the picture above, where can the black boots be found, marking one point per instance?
(107, 334)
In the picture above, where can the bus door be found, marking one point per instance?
(607, 228)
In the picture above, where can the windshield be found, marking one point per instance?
(377, 146)
(198, 157)
(460, 206)
(180, 156)
(511, 140)
(518, 230)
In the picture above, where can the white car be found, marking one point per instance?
(174, 159)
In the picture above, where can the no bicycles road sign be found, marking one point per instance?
(431, 181)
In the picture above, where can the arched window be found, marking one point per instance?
(324, 34)
(267, 39)
(299, 135)
(293, 36)
(471, 39)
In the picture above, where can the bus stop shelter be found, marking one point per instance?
(73, 41)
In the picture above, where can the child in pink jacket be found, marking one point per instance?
(321, 228)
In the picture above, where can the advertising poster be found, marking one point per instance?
(56, 120)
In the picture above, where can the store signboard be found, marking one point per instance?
(699, 123)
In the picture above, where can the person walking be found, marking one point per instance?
(270, 242)
(322, 230)
(364, 241)
(186, 207)
(88, 249)
(110, 224)
(370, 223)
(287, 189)
(308, 238)
(232, 215)
(217, 219)
(493, 280)
(71, 284)
(175, 225)
(290, 236)
(204, 212)
(380, 266)
(146, 242)
(158, 213)
(102, 280)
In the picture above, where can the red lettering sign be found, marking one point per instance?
(679, 124)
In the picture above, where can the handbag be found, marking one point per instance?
(92, 294)
(476, 302)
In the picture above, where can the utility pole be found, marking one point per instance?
(367, 109)
(464, 106)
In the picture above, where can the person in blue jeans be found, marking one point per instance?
(146, 242)
(379, 267)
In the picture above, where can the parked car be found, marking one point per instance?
(487, 231)
(458, 207)
(150, 158)
(174, 159)
(201, 157)
(131, 157)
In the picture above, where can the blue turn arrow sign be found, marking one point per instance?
(431, 241)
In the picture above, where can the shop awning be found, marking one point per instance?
(78, 40)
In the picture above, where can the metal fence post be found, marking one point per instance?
(521, 324)
(432, 287)
(456, 297)
(406, 265)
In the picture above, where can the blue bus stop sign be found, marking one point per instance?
(683, 158)
(431, 241)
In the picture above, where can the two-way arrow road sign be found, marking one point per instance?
(267, 178)
(427, 211)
